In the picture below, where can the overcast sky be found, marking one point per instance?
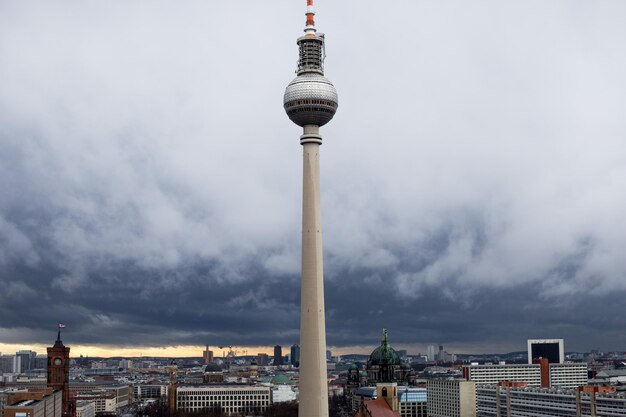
(473, 179)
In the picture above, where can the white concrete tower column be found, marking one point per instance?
(313, 378)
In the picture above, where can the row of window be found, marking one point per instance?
(301, 102)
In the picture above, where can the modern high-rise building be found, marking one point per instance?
(430, 353)
(26, 360)
(310, 101)
(278, 355)
(550, 349)
(295, 355)
(207, 356)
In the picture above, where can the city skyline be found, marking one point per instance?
(475, 183)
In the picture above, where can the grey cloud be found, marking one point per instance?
(151, 182)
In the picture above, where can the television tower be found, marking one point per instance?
(310, 102)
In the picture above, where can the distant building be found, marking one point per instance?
(242, 400)
(85, 409)
(566, 375)
(411, 400)
(149, 391)
(262, 359)
(26, 361)
(34, 403)
(430, 354)
(550, 349)
(519, 401)
(278, 355)
(451, 398)
(207, 356)
(329, 355)
(295, 355)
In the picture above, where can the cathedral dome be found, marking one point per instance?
(212, 367)
(281, 379)
(384, 354)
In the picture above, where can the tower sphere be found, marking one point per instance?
(310, 99)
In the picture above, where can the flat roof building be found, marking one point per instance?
(451, 398)
(515, 401)
(241, 400)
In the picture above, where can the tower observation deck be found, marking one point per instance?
(310, 101)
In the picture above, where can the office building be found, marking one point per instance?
(242, 400)
(85, 409)
(450, 398)
(262, 359)
(310, 101)
(36, 402)
(207, 356)
(517, 400)
(278, 355)
(25, 361)
(430, 353)
(566, 375)
(295, 355)
(149, 391)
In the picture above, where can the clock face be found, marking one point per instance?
(58, 361)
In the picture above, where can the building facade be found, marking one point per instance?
(242, 400)
(85, 409)
(566, 375)
(278, 355)
(451, 398)
(44, 402)
(511, 401)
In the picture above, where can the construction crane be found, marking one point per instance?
(171, 398)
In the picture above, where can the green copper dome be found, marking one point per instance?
(384, 355)
(281, 379)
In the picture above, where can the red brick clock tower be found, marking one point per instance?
(59, 372)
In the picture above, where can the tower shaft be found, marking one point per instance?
(313, 401)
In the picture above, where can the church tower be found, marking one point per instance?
(59, 372)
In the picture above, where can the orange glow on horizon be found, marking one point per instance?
(187, 351)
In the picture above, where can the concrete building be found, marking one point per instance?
(104, 391)
(149, 391)
(551, 349)
(294, 356)
(85, 409)
(207, 356)
(451, 398)
(566, 375)
(278, 355)
(42, 402)
(430, 353)
(513, 400)
(310, 101)
(25, 360)
(242, 400)
(262, 359)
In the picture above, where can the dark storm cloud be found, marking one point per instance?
(472, 180)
